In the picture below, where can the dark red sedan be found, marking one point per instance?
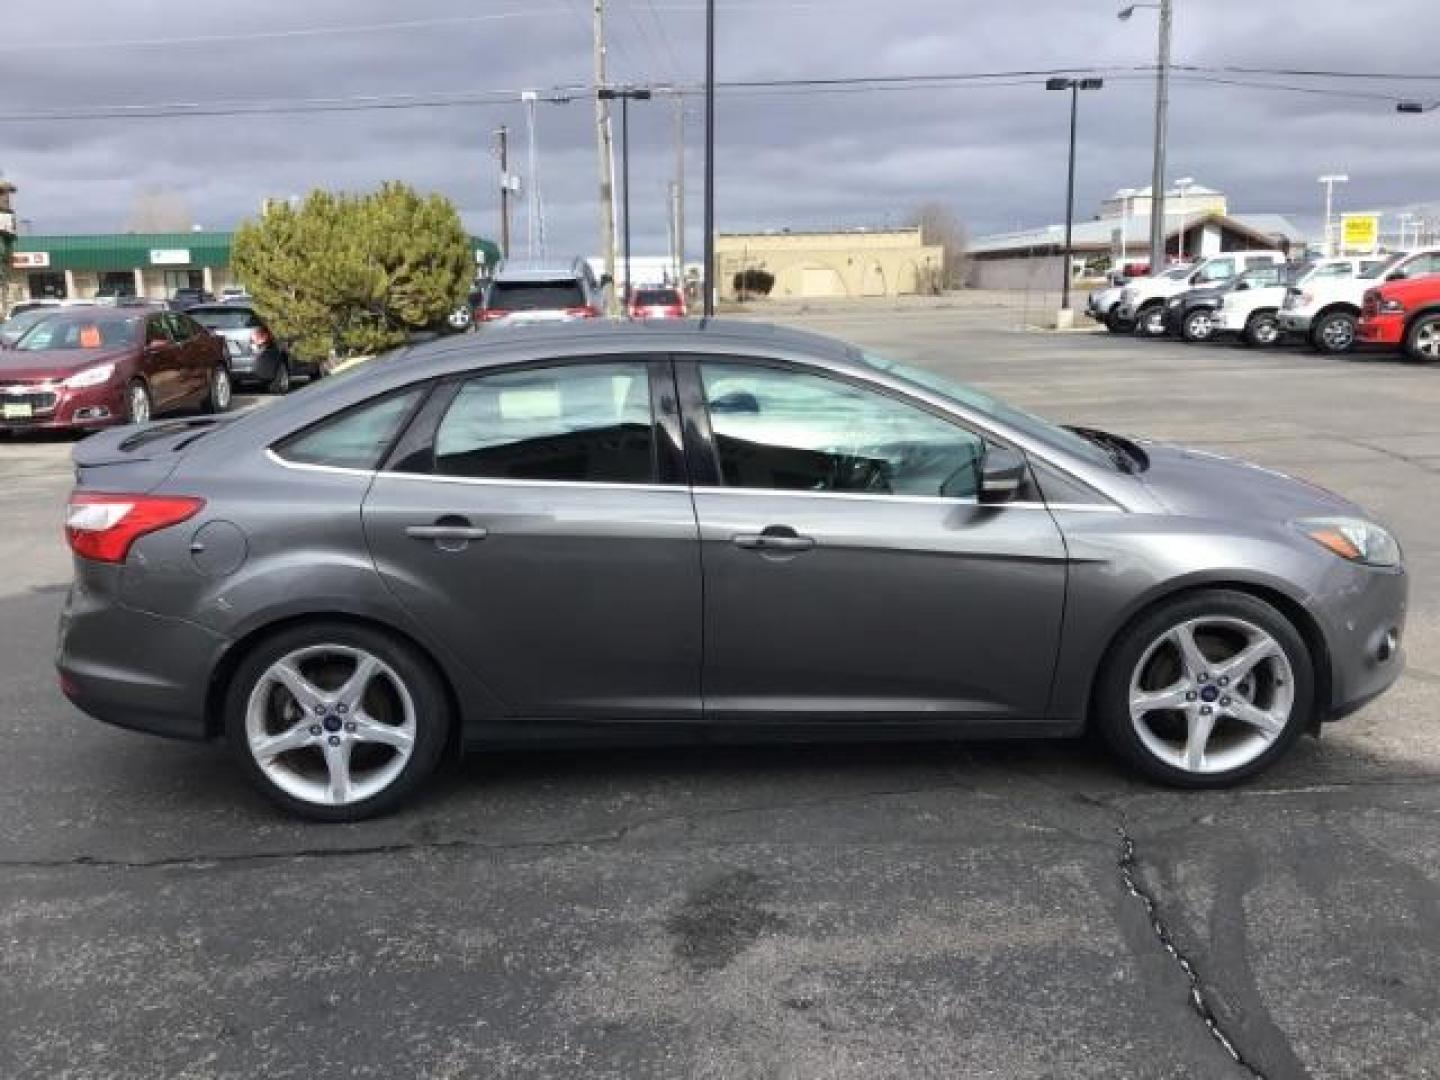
(94, 367)
(657, 303)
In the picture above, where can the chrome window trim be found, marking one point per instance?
(476, 481)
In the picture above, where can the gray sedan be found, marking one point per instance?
(600, 532)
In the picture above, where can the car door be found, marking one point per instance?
(194, 357)
(850, 572)
(160, 363)
(537, 517)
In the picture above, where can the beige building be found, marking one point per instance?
(850, 263)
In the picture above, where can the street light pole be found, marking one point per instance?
(1162, 109)
(624, 96)
(1074, 86)
(1330, 181)
(709, 307)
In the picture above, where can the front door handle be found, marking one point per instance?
(777, 538)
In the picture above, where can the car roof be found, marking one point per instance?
(539, 270)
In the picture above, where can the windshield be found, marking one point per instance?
(11, 330)
(1027, 424)
(81, 332)
(233, 318)
(535, 296)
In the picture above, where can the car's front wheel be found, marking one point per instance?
(1262, 329)
(336, 722)
(1207, 690)
(1199, 325)
(280, 381)
(217, 398)
(1150, 321)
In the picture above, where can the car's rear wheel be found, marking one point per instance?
(1262, 329)
(1422, 341)
(336, 722)
(1334, 332)
(1206, 691)
(138, 409)
(217, 400)
(1150, 321)
(1199, 325)
(280, 381)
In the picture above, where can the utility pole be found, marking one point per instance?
(1162, 109)
(606, 153)
(680, 190)
(504, 136)
(709, 159)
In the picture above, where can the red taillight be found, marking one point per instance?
(488, 314)
(260, 339)
(102, 527)
(585, 312)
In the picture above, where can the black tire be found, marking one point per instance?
(1150, 321)
(280, 381)
(1334, 333)
(1262, 330)
(139, 406)
(432, 714)
(1198, 325)
(1117, 325)
(218, 398)
(1111, 715)
(1422, 339)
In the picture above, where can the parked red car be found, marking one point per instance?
(658, 303)
(96, 367)
(1404, 314)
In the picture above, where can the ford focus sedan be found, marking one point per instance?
(607, 532)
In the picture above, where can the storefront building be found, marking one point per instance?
(147, 265)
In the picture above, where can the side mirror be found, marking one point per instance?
(1242, 286)
(1002, 471)
(1395, 275)
(1194, 278)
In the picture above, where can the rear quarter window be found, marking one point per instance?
(357, 438)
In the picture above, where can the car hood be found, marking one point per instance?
(43, 364)
(1201, 484)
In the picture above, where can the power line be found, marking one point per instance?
(1316, 73)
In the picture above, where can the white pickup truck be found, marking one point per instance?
(1254, 312)
(1142, 304)
(1326, 310)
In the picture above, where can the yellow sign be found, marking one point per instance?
(1359, 232)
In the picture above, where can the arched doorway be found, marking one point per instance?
(873, 283)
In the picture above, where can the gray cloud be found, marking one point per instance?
(994, 153)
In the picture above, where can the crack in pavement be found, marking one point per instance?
(1199, 998)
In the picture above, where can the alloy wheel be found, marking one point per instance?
(1266, 331)
(1427, 340)
(1338, 334)
(1199, 326)
(1211, 694)
(330, 725)
(139, 405)
(1152, 322)
(220, 390)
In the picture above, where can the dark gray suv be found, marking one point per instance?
(617, 532)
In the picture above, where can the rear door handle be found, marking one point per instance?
(447, 537)
(778, 538)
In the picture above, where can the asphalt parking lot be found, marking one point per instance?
(978, 910)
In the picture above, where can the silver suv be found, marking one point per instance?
(540, 292)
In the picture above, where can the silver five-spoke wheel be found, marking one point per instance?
(330, 725)
(1211, 694)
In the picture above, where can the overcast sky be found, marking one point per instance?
(995, 154)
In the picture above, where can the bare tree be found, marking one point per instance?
(156, 210)
(939, 225)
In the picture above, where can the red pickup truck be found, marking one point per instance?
(1404, 314)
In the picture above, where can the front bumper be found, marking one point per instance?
(54, 407)
(134, 669)
(1360, 611)
(1381, 329)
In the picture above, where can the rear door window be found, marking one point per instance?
(580, 423)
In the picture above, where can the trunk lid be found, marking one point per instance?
(138, 458)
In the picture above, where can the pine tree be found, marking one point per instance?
(350, 275)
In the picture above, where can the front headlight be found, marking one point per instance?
(91, 376)
(1174, 301)
(1354, 539)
